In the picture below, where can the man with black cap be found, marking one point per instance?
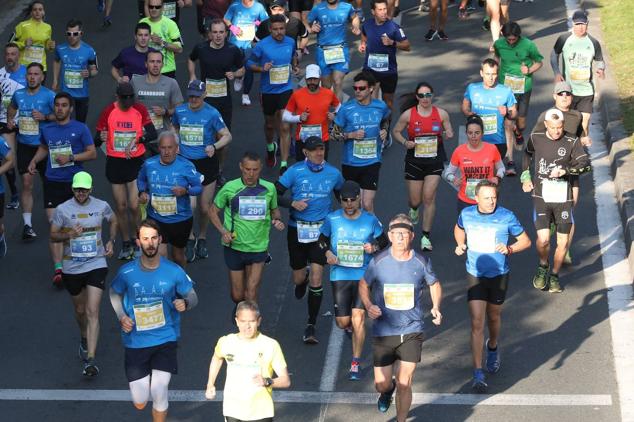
(311, 182)
(295, 28)
(121, 126)
(579, 50)
(349, 237)
(391, 291)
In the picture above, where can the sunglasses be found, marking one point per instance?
(424, 95)
(155, 7)
(348, 199)
(126, 97)
(73, 34)
(359, 88)
(564, 94)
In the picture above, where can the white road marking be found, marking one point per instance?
(316, 397)
(333, 357)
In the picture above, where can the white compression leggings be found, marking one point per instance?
(142, 388)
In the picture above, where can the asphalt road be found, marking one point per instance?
(551, 345)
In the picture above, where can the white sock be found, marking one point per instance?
(27, 218)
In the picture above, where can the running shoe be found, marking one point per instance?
(355, 371)
(90, 368)
(413, 215)
(425, 243)
(493, 360)
(431, 34)
(237, 84)
(442, 36)
(190, 250)
(14, 203)
(136, 251)
(486, 24)
(470, 8)
(107, 21)
(348, 331)
(385, 399)
(462, 14)
(424, 6)
(83, 350)
(101, 5)
(519, 137)
(540, 280)
(553, 284)
(268, 259)
(481, 3)
(201, 249)
(57, 279)
(305, 52)
(271, 158)
(300, 289)
(309, 335)
(246, 101)
(510, 168)
(567, 258)
(127, 251)
(28, 233)
(479, 384)
(3, 246)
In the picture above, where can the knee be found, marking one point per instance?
(403, 385)
(383, 386)
(343, 322)
(357, 320)
(543, 243)
(92, 314)
(429, 200)
(140, 406)
(477, 325)
(80, 311)
(121, 207)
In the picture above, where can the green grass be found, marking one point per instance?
(616, 20)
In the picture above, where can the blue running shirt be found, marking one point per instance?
(280, 53)
(333, 22)
(29, 128)
(197, 129)
(4, 150)
(247, 19)
(379, 57)
(485, 103)
(73, 61)
(71, 138)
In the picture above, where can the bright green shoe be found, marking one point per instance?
(553, 284)
(541, 278)
(413, 215)
(425, 243)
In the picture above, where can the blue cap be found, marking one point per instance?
(196, 88)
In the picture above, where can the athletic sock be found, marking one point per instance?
(27, 218)
(314, 303)
(283, 164)
(270, 146)
(492, 349)
(58, 266)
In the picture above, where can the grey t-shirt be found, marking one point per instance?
(164, 93)
(86, 252)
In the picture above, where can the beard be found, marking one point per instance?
(149, 252)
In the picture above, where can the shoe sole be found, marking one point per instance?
(538, 287)
(310, 340)
(559, 290)
(479, 388)
(354, 378)
(91, 373)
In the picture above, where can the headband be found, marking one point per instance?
(401, 226)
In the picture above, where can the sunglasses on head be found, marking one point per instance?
(359, 88)
(73, 34)
(155, 6)
(424, 95)
(564, 94)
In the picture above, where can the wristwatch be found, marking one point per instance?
(268, 382)
(71, 158)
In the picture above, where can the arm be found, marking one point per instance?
(466, 107)
(374, 311)
(116, 75)
(224, 138)
(399, 127)
(89, 154)
(435, 291)
(522, 242)
(214, 217)
(282, 380)
(282, 200)
(7, 163)
(150, 133)
(554, 63)
(214, 369)
(580, 162)
(191, 299)
(191, 68)
(499, 170)
(403, 45)
(289, 117)
(57, 66)
(446, 123)
(461, 240)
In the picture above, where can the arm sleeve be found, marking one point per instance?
(194, 180)
(580, 162)
(528, 154)
(141, 180)
(282, 200)
(598, 54)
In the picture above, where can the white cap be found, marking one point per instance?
(554, 115)
(313, 71)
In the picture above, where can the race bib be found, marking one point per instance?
(306, 131)
(307, 231)
(84, 246)
(579, 74)
(378, 62)
(34, 53)
(55, 151)
(29, 126)
(169, 9)
(252, 208)
(334, 55)
(149, 316)
(350, 254)
(164, 204)
(364, 148)
(554, 191)
(122, 139)
(516, 83)
(192, 135)
(398, 297)
(490, 123)
(469, 190)
(426, 146)
(73, 79)
(482, 239)
(248, 32)
(279, 75)
(216, 88)
(157, 120)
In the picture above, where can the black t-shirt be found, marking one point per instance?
(572, 123)
(214, 63)
(294, 29)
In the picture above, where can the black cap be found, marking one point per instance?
(350, 189)
(580, 16)
(278, 3)
(312, 142)
(125, 88)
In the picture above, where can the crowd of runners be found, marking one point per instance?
(166, 150)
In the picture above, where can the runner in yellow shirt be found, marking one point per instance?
(33, 36)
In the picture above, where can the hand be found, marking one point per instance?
(103, 135)
(210, 150)
(331, 116)
(586, 141)
(502, 248)
(144, 198)
(300, 205)
(37, 115)
(362, 48)
(295, 71)
(299, 53)
(230, 75)
(410, 144)
(368, 247)
(331, 258)
(50, 44)
(383, 134)
(502, 110)
(357, 134)
(460, 250)
(278, 224)
(258, 380)
(356, 30)
(180, 305)
(62, 159)
(524, 69)
(156, 39)
(559, 78)
(158, 110)
(179, 191)
(601, 73)
(494, 179)
(11, 124)
(435, 312)
(210, 392)
(28, 42)
(557, 172)
(315, 27)
(374, 312)
(126, 324)
(85, 73)
(449, 133)
(180, 3)
(527, 186)
(267, 66)
(32, 168)
(54, 86)
(123, 79)
(304, 116)
(128, 150)
(387, 41)
(109, 248)
(457, 181)
(227, 237)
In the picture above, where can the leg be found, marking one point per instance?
(26, 196)
(575, 198)
(93, 302)
(367, 199)
(585, 121)
(560, 252)
(543, 246)
(193, 202)
(203, 210)
(493, 10)
(433, 14)
(254, 277)
(285, 136)
(494, 322)
(159, 391)
(248, 80)
(337, 78)
(358, 331)
(269, 128)
(444, 8)
(121, 210)
(237, 280)
(178, 256)
(509, 126)
(327, 81)
(477, 310)
(388, 98)
(133, 205)
(343, 322)
(79, 304)
(11, 174)
(383, 378)
(504, 13)
(429, 189)
(140, 391)
(163, 250)
(315, 292)
(414, 193)
(56, 248)
(404, 377)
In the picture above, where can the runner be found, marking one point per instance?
(6, 158)
(33, 36)
(493, 102)
(396, 307)
(472, 162)
(121, 126)
(299, 9)
(131, 60)
(67, 143)
(380, 38)
(519, 59)
(171, 8)
(311, 108)
(296, 27)
(150, 321)
(425, 156)
(311, 182)
(165, 183)
(328, 20)
(75, 62)
(497, 14)
(349, 237)
(483, 231)
(252, 359)
(578, 51)
(12, 68)
(203, 135)
(242, 19)
(33, 106)
(164, 37)
(275, 58)
(77, 225)
(363, 124)
(437, 24)
(550, 158)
